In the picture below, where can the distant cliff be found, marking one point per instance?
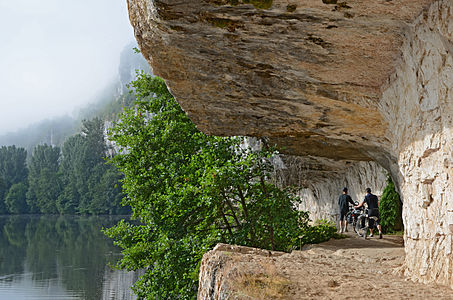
(130, 62)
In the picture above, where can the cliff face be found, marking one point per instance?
(418, 106)
(320, 198)
(340, 85)
(322, 179)
(129, 63)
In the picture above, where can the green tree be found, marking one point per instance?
(72, 157)
(390, 208)
(13, 170)
(3, 190)
(92, 154)
(13, 167)
(43, 178)
(89, 185)
(16, 200)
(106, 190)
(189, 192)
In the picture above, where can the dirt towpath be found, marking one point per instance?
(355, 268)
(350, 268)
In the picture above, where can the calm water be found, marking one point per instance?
(55, 257)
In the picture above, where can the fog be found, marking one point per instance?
(55, 55)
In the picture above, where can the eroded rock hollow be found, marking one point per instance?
(340, 84)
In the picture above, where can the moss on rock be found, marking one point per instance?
(291, 7)
(261, 4)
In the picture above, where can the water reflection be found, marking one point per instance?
(56, 257)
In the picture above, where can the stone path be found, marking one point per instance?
(350, 268)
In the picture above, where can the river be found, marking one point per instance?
(60, 257)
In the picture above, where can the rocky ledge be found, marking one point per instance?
(336, 83)
(338, 269)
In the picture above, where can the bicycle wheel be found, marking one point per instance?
(361, 230)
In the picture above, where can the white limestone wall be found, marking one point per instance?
(321, 198)
(418, 104)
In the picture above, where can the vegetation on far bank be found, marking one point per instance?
(72, 180)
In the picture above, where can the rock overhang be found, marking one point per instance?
(332, 83)
(307, 74)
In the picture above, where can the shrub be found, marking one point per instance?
(322, 231)
(390, 208)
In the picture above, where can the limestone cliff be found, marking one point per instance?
(338, 83)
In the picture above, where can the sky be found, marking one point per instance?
(55, 55)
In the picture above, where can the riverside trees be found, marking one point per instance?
(13, 171)
(71, 180)
(89, 185)
(190, 191)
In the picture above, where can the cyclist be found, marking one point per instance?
(373, 210)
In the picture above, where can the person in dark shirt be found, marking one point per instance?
(373, 210)
(343, 203)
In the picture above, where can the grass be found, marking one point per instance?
(400, 233)
(339, 236)
(265, 285)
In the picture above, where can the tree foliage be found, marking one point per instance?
(15, 199)
(73, 180)
(13, 170)
(190, 191)
(13, 167)
(43, 180)
(390, 208)
(90, 186)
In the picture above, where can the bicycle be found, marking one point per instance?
(353, 215)
(363, 224)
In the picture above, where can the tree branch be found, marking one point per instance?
(230, 205)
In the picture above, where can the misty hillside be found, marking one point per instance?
(106, 105)
(115, 96)
(51, 132)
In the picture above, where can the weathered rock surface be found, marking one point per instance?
(338, 269)
(320, 197)
(333, 83)
(418, 105)
(322, 179)
(215, 276)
